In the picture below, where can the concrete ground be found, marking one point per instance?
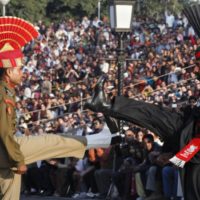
(63, 198)
(41, 198)
(50, 198)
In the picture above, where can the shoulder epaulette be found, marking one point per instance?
(9, 93)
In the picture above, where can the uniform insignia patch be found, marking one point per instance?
(9, 111)
(8, 101)
(9, 93)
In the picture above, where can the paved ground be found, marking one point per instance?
(41, 198)
(62, 198)
(49, 198)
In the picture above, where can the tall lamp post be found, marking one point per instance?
(121, 15)
(4, 3)
(99, 9)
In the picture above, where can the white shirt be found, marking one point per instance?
(169, 20)
(104, 67)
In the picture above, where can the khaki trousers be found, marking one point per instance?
(36, 148)
(139, 185)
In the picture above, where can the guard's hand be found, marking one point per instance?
(21, 169)
(53, 162)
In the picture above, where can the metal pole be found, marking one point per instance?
(120, 65)
(81, 94)
(4, 10)
(121, 60)
(99, 9)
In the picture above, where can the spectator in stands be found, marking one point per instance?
(148, 168)
(131, 155)
(104, 173)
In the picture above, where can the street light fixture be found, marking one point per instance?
(121, 15)
(4, 3)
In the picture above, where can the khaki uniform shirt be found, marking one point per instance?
(8, 125)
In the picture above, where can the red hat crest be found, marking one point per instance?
(14, 34)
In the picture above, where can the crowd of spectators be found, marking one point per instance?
(61, 69)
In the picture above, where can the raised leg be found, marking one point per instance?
(48, 146)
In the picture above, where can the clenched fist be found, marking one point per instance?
(21, 169)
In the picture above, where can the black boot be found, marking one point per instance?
(113, 126)
(98, 103)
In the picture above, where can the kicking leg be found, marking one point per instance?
(48, 146)
(159, 120)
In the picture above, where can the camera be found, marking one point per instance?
(174, 105)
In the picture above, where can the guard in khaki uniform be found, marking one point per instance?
(17, 152)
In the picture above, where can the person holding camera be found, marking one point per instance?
(132, 154)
